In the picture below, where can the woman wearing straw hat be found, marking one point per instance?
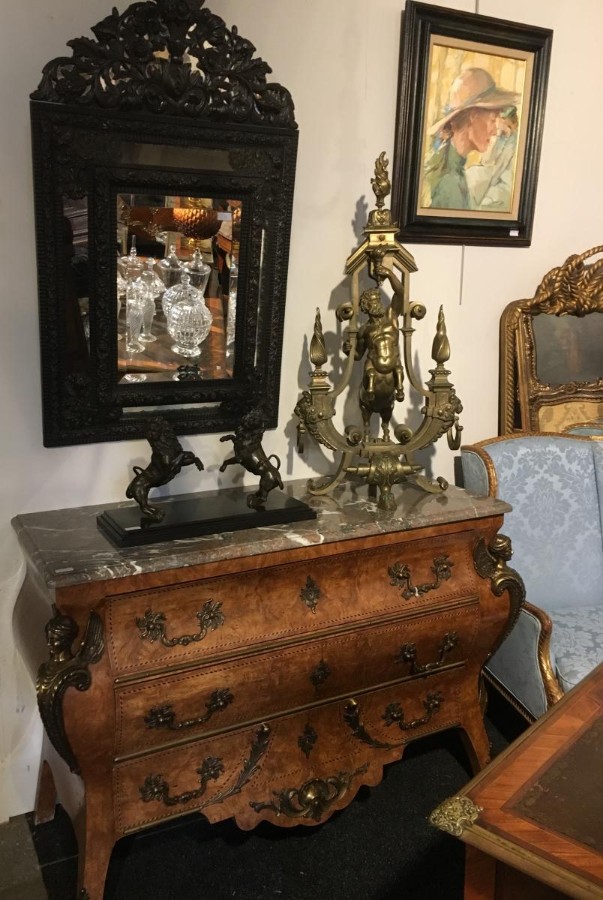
(470, 123)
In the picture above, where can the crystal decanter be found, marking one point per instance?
(169, 269)
(198, 270)
(130, 266)
(149, 287)
(188, 320)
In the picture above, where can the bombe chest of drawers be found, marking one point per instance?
(259, 674)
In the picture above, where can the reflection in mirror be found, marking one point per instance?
(177, 278)
(568, 348)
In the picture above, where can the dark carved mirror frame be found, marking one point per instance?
(169, 81)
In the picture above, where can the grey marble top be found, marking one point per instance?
(66, 547)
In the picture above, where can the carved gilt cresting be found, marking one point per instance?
(378, 459)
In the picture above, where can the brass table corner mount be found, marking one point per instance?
(65, 669)
(455, 814)
(381, 459)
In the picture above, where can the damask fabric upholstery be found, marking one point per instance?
(555, 486)
(555, 524)
(577, 643)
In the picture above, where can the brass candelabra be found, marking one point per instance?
(377, 458)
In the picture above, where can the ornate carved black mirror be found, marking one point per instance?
(164, 166)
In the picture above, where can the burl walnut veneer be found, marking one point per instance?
(261, 674)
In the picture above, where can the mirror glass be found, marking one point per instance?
(568, 348)
(176, 286)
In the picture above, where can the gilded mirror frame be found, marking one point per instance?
(527, 403)
(171, 81)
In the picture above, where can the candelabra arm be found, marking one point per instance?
(326, 485)
(408, 332)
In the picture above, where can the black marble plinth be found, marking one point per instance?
(199, 514)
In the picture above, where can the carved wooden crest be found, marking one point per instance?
(168, 56)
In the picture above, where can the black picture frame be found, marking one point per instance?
(436, 40)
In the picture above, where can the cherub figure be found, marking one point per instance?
(167, 459)
(249, 453)
(383, 378)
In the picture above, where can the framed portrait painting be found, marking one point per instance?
(471, 101)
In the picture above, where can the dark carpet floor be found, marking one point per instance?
(381, 847)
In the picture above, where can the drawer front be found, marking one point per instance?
(214, 618)
(268, 771)
(188, 705)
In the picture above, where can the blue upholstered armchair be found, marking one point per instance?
(555, 486)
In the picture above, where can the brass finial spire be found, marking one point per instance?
(380, 216)
(381, 183)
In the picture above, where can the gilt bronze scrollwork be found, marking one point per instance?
(152, 625)
(491, 561)
(455, 814)
(165, 716)
(65, 669)
(393, 715)
(400, 576)
(313, 799)
(378, 458)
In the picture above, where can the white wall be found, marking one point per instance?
(340, 61)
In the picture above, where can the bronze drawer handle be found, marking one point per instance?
(165, 717)
(310, 594)
(408, 654)
(152, 625)
(312, 799)
(155, 787)
(400, 577)
(393, 715)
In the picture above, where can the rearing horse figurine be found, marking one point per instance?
(167, 459)
(249, 453)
